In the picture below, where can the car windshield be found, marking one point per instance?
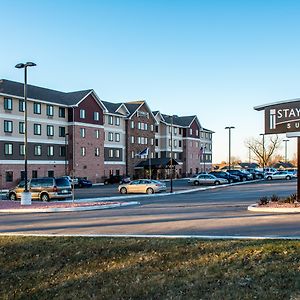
(62, 182)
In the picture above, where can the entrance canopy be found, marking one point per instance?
(156, 163)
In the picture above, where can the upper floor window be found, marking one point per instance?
(8, 149)
(110, 120)
(139, 125)
(97, 133)
(117, 137)
(21, 127)
(82, 132)
(62, 151)
(180, 130)
(197, 132)
(37, 129)
(117, 121)
(83, 151)
(62, 131)
(50, 110)
(50, 150)
(82, 114)
(132, 139)
(50, 130)
(191, 131)
(21, 105)
(156, 128)
(179, 143)
(96, 116)
(111, 153)
(132, 124)
(37, 108)
(22, 149)
(151, 127)
(62, 112)
(8, 104)
(97, 151)
(8, 126)
(37, 150)
(117, 153)
(110, 136)
(175, 130)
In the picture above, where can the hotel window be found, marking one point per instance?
(37, 108)
(37, 129)
(8, 104)
(146, 126)
(82, 114)
(170, 143)
(175, 143)
(146, 141)
(139, 140)
(175, 130)
(117, 137)
(62, 112)
(110, 120)
(50, 150)
(117, 121)
(96, 116)
(97, 151)
(156, 142)
(197, 132)
(8, 149)
(179, 143)
(132, 124)
(169, 129)
(34, 174)
(142, 126)
(110, 136)
(156, 128)
(139, 125)
(151, 127)
(132, 154)
(21, 105)
(152, 142)
(180, 131)
(62, 151)
(111, 153)
(117, 153)
(175, 155)
(82, 151)
(191, 131)
(8, 126)
(82, 132)
(49, 110)
(38, 150)
(62, 131)
(97, 134)
(22, 149)
(132, 139)
(50, 130)
(9, 176)
(21, 127)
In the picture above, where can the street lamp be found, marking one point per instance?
(229, 133)
(285, 152)
(263, 153)
(171, 164)
(66, 147)
(26, 196)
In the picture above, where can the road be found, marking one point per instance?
(218, 212)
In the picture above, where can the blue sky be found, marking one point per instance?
(215, 59)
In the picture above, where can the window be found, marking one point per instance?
(111, 153)
(50, 173)
(139, 125)
(180, 130)
(8, 126)
(8, 104)
(8, 149)
(156, 128)
(110, 136)
(117, 121)
(191, 131)
(62, 151)
(142, 126)
(110, 120)
(170, 143)
(49, 110)
(139, 140)
(21, 105)
(97, 133)
(175, 130)
(62, 112)
(197, 132)
(82, 151)
(22, 149)
(132, 154)
(50, 150)
(117, 137)
(117, 153)
(132, 124)
(37, 108)
(82, 132)
(34, 174)
(96, 116)
(151, 127)
(97, 151)
(21, 127)
(146, 126)
(62, 131)
(37, 129)
(37, 150)
(82, 114)
(50, 130)
(156, 142)
(9, 176)
(180, 143)
(132, 139)
(175, 143)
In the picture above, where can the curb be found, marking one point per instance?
(256, 208)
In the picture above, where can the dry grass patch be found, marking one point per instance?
(120, 268)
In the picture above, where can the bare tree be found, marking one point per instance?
(263, 153)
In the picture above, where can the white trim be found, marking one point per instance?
(292, 134)
(116, 145)
(32, 119)
(85, 124)
(37, 141)
(114, 129)
(33, 162)
(261, 107)
(115, 163)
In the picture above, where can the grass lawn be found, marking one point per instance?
(131, 268)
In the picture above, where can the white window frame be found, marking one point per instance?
(82, 114)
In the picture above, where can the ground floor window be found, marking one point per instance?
(50, 173)
(34, 174)
(117, 172)
(9, 176)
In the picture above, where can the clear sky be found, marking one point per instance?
(215, 59)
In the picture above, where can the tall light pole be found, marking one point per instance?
(171, 164)
(66, 148)
(285, 152)
(249, 156)
(229, 151)
(26, 196)
(263, 152)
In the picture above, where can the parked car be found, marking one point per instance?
(229, 177)
(116, 179)
(43, 189)
(142, 186)
(242, 175)
(257, 174)
(270, 170)
(71, 179)
(83, 182)
(280, 175)
(206, 179)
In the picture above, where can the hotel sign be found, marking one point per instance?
(282, 118)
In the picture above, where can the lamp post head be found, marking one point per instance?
(20, 66)
(229, 127)
(28, 64)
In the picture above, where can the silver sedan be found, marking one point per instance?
(142, 186)
(206, 179)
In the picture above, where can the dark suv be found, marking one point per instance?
(230, 178)
(43, 189)
(116, 179)
(242, 175)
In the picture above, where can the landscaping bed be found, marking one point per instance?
(135, 268)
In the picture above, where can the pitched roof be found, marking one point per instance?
(13, 88)
(180, 121)
(111, 107)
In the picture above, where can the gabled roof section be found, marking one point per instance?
(14, 88)
(133, 107)
(184, 121)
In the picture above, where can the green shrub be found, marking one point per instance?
(274, 198)
(263, 201)
(291, 199)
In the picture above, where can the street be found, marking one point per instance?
(218, 212)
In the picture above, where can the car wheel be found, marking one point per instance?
(288, 177)
(80, 185)
(12, 197)
(45, 197)
(244, 178)
(269, 178)
(106, 182)
(150, 191)
(217, 182)
(196, 182)
(123, 190)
